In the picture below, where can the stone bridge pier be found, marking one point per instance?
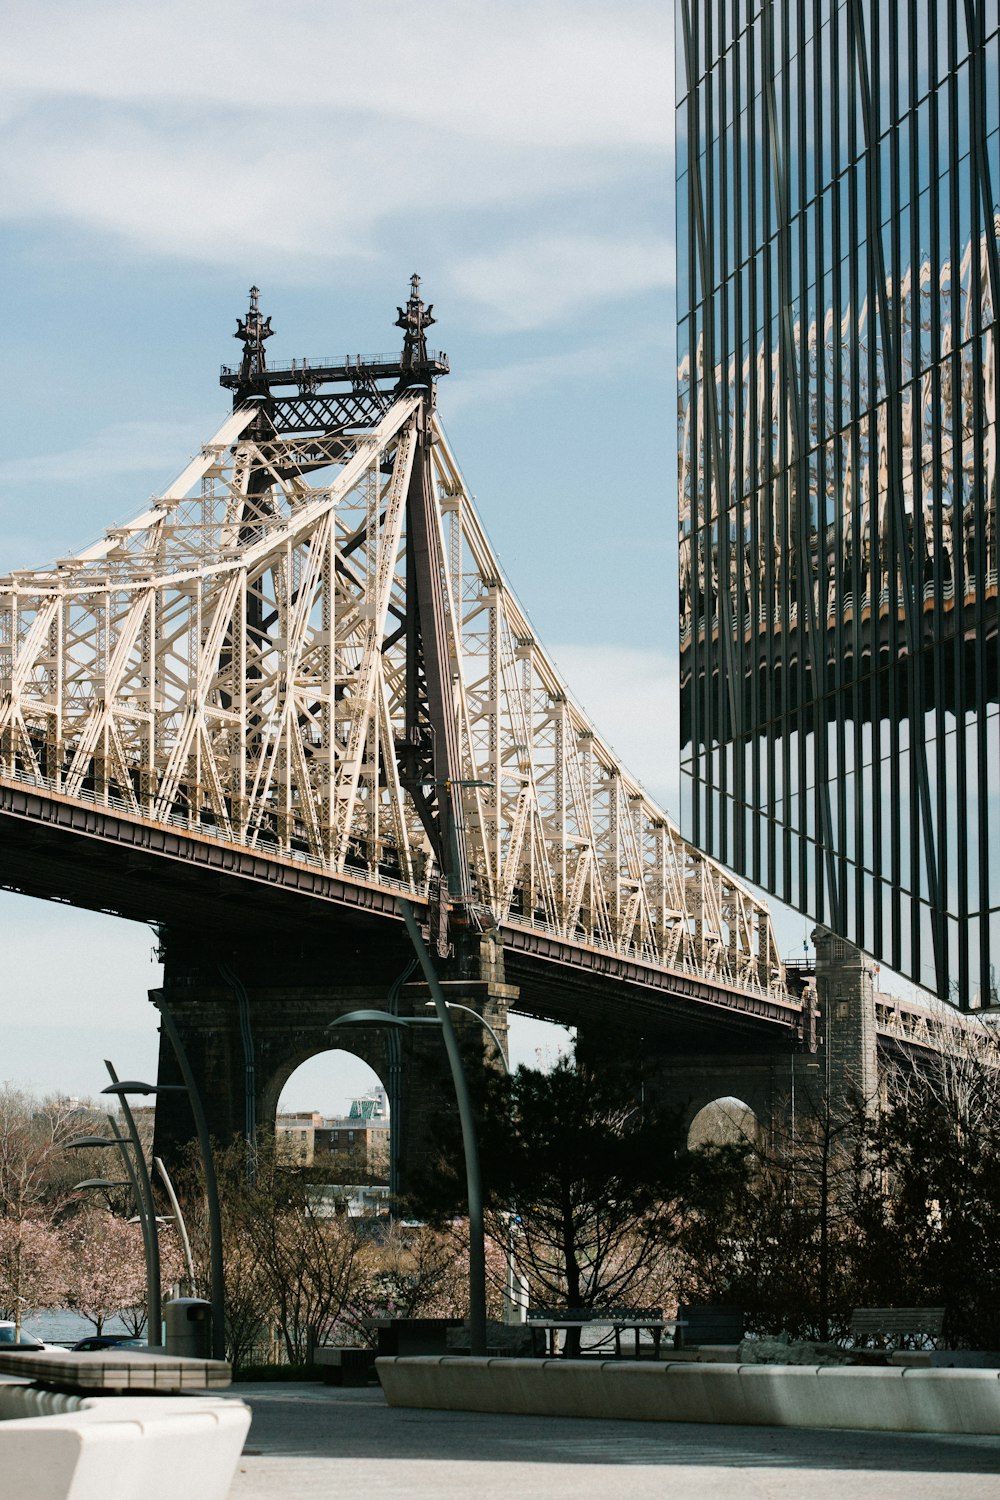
(246, 1025)
(833, 1059)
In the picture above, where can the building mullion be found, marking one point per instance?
(960, 860)
(983, 211)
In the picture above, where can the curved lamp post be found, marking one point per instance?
(133, 1086)
(474, 1188)
(516, 1290)
(138, 1181)
(147, 1211)
(179, 1221)
(469, 1011)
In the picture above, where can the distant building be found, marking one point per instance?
(373, 1106)
(354, 1147)
(295, 1136)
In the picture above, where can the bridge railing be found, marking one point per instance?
(775, 990)
(112, 803)
(940, 1031)
(333, 362)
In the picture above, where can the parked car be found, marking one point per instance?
(10, 1342)
(95, 1341)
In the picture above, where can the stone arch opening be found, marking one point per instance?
(332, 1117)
(727, 1121)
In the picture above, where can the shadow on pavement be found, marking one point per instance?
(314, 1421)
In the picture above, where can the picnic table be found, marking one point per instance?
(550, 1320)
(409, 1336)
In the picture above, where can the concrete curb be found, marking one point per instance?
(870, 1399)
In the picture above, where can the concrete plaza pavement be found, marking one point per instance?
(311, 1440)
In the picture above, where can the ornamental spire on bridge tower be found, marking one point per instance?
(252, 331)
(428, 752)
(414, 320)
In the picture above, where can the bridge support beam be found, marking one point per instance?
(847, 1034)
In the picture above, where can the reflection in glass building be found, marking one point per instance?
(838, 227)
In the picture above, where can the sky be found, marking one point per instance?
(157, 161)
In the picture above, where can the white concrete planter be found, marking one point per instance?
(118, 1447)
(879, 1400)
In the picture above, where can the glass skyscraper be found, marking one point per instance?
(838, 183)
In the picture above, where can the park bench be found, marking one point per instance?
(345, 1364)
(411, 1336)
(888, 1328)
(117, 1422)
(708, 1323)
(551, 1319)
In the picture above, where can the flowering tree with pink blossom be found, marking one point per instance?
(33, 1136)
(32, 1264)
(105, 1269)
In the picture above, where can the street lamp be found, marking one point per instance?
(138, 1180)
(134, 1086)
(515, 1292)
(474, 1189)
(147, 1206)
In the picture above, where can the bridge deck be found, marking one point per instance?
(68, 851)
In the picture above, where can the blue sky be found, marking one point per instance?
(158, 160)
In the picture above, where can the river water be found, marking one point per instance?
(57, 1326)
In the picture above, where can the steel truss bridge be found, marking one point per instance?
(298, 684)
(302, 664)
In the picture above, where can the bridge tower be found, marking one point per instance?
(249, 1012)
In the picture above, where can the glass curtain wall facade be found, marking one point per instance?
(838, 181)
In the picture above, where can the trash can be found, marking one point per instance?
(189, 1327)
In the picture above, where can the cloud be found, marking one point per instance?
(225, 189)
(138, 126)
(630, 695)
(544, 277)
(123, 448)
(569, 73)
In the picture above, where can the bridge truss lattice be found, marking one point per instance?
(251, 657)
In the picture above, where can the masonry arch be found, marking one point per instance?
(333, 1116)
(727, 1121)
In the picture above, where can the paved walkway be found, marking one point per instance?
(310, 1441)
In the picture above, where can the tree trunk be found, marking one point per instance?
(572, 1346)
(18, 1252)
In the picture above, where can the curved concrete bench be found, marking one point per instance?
(118, 1447)
(880, 1400)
